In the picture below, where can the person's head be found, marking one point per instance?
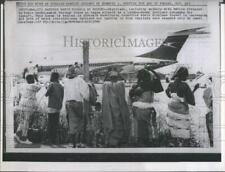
(144, 76)
(145, 79)
(76, 63)
(72, 72)
(113, 76)
(30, 79)
(98, 106)
(210, 79)
(54, 77)
(36, 65)
(181, 74)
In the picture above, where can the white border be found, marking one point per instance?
(196, 166)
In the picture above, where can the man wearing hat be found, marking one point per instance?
(76, 90)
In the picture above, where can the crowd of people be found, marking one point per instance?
(113, 122)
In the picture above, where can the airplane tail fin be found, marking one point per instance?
(170, 48)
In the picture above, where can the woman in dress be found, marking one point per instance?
(143, 108)
(28, 105)
(115, 112)
(178, 116)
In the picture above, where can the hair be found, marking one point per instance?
(30, 79)
(145, 79)
(54, 77)
(181, 73)
(143, 75)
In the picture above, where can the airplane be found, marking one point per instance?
(166, 54)
(172, 45)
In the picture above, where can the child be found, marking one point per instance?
(55, 93)
(28, 105)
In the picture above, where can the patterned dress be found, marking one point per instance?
(178, 115)
(28, 106)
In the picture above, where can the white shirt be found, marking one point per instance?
(76, 89)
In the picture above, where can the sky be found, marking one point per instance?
(44, 43)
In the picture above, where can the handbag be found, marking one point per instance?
(34, 135)
(157, 85)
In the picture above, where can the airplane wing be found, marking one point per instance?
(169, 49)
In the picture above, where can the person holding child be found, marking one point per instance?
(28, 106)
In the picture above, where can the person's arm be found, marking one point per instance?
(196, 87)
(168, 91)
(207, 97)
(37, 87)
(49, 90)
(62, 92)
(84, 89)
(132, 91)
(189, 95)
(24, 72)
(154, 72)
(122, 85)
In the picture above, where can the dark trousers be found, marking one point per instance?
(53, 123)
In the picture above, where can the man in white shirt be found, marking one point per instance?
(76, 90)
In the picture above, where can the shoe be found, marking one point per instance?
(17, 138)
(54, 146)
(77, 145)
(27, 142)
(47, 142)
(81, 145)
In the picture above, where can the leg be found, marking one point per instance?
(24, 125)
(143, 133)
(72, 121)
(50, 125)
(80, 121)
(53, 121)
(54, 130)
(154, 127)
(209, 125)
(143, 125)
(74, 140)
